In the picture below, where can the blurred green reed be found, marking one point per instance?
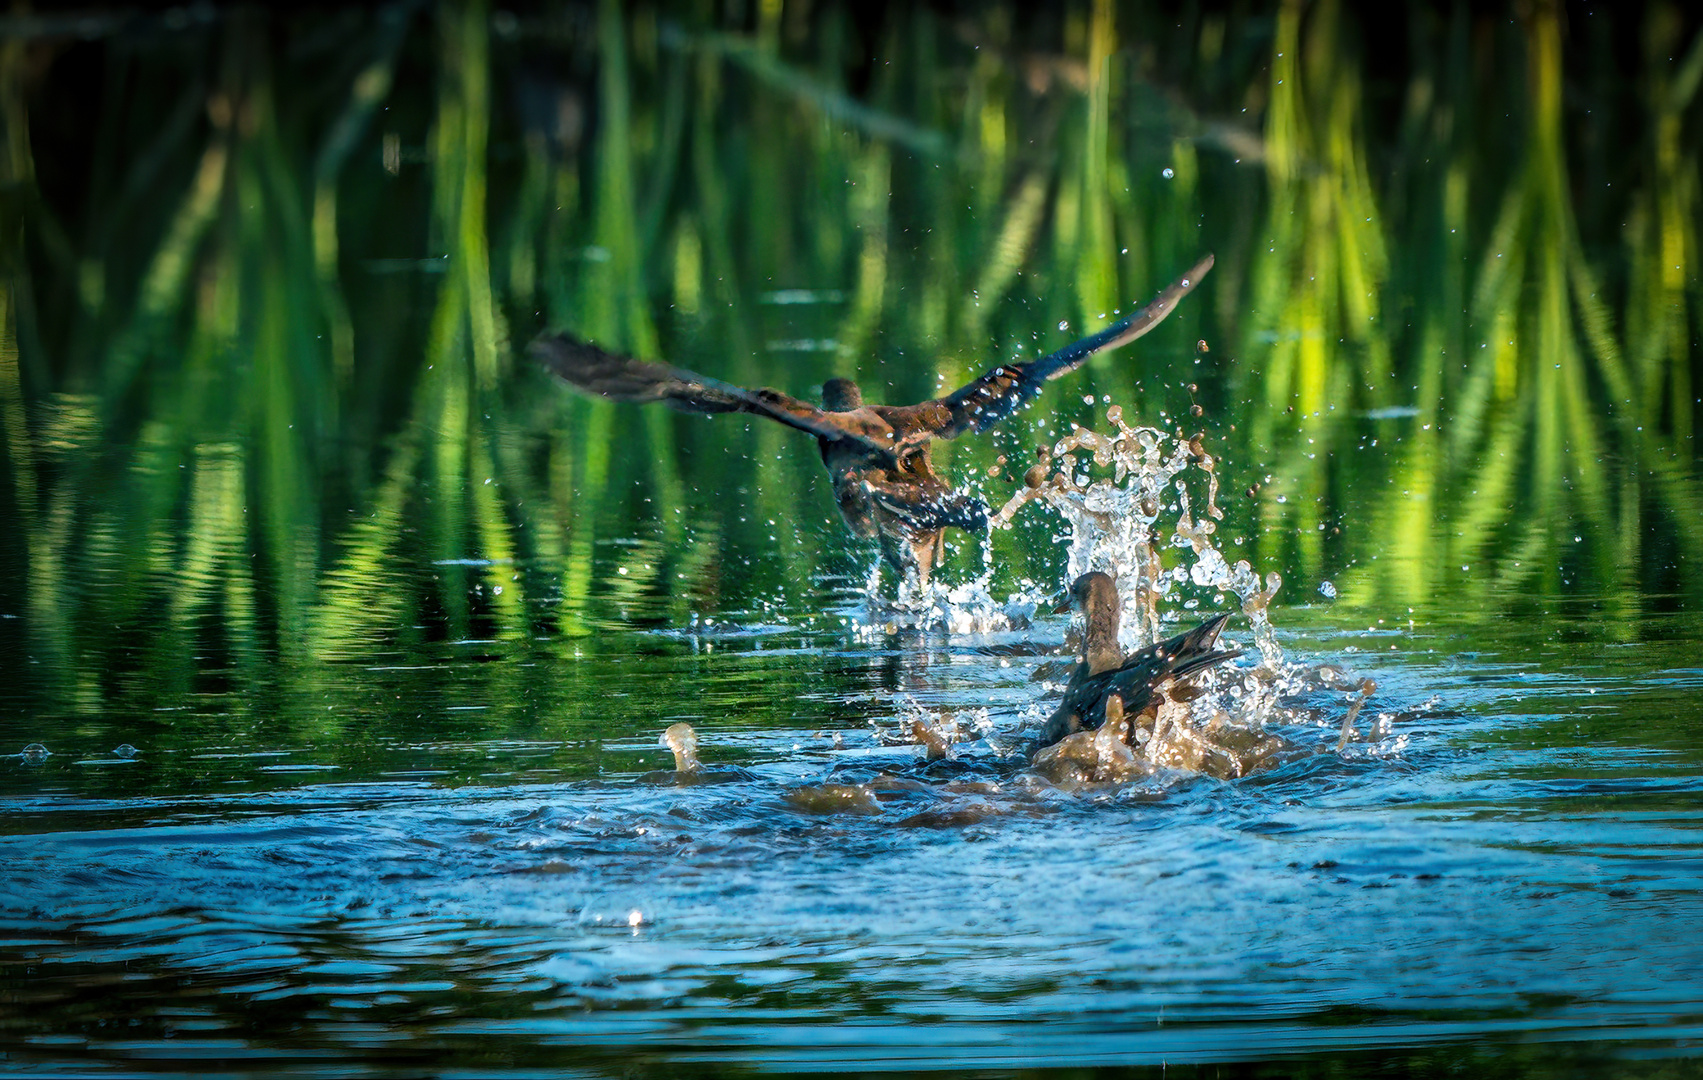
(262, 374)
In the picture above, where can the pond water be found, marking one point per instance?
(1511, 871)
(337, 641)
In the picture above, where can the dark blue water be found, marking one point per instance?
(1516, 864)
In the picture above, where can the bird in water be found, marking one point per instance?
(1107, 685)
(877, 456)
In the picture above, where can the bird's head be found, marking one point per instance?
(1092, 593)
(841, 395)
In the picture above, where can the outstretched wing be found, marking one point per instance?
(623, 378)
(1000, 392)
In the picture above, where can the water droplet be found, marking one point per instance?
(1327, 590)
(1064, 324)
(1168, 172)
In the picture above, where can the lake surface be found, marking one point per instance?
(1513, 874)
(336, 640)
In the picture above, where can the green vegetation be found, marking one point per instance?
(265, 288)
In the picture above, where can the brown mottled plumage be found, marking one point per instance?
(877, 455)
(1105, 675)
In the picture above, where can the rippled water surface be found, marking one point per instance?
(1519, 867)
(336, 638)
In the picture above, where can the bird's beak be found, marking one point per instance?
(1063, 605)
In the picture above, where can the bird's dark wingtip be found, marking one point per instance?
(1206, 635)
(1199, 649)
(1192, 277)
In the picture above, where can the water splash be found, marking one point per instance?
(1141, 504)
(34, 754)
(1114, 491)
(683, 741)
(963, 609)
(940, 734)
(1117, 493)
(1105, 755)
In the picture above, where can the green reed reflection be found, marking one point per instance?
(260, 364)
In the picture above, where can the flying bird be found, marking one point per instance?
(877, 456)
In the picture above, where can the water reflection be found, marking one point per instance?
(1473, 420)
(390, 628)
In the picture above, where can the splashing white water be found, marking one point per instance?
(1116, 525)
(1115, 493)
(962, 609)
(1142, 505)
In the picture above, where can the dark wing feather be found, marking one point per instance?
(1000, 392)
(1173, 658)
(623, 378)
(1084, 703)
(924, 508)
